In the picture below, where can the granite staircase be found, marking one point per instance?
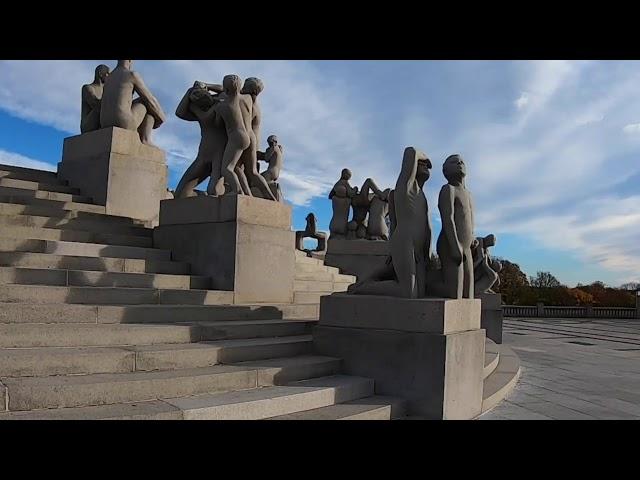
(96, 323)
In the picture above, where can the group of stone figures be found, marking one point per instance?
(229, 117)
(370, 207)
(467, 269)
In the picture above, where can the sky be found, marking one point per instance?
(552, 147)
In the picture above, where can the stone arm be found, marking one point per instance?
(213, 87)
(151, 102)
(89, 98)
(392, 213)
(446, 206)
(184, 111)
(428, 250)
(409, 169)
(261, 156)
(374, 188)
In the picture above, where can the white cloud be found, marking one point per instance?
(632, 128)
(10, 158)
(522, 101)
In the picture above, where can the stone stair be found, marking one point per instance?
(96, 323)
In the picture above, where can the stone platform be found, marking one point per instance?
(116, 170)
(429, 351)
(491, 318)
(244, 244)
(356, 257)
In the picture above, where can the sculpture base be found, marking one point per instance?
(116, 170)
(244, 244)
(491, 318)
(428, 351)
(357, 257)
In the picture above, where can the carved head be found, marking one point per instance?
(231, 84)
(201, 98)
(272, 141)
(125, 64)
(102, 72)
(346, 174)
(454, 168)
(423, 172)
(252, 86)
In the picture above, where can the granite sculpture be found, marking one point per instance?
(311, 231)
(91, 100)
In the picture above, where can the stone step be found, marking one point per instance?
(491, 357)
(30, 393)
(111, 295)
(47, 361)
(34, 185)
(64, 235)
(301, 258)
(80, 249)
(340, 286)
(308, 297)
(27, 335)
(57, 204)
(339, 277)
(149, 314)
(263, 403)
(30, 174)
(376, 407)
(43, 195)
(311, 268)
(312, 286)
(94, 264)
(74, 224)
(80, 278)
(55, 211)
(502, 380)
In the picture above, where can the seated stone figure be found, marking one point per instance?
(92, 99)
(485, 269)
(340, 196)
(274, 157)
(197, 105)
(311, 231)
(410, 244)
(119, 109)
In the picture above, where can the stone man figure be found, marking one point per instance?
(340, 197)
(456, 238)
(91, 100)
(119, 109)
(197, 105)
(274, 157)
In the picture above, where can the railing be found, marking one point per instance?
(543, 311)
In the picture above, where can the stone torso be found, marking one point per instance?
(117, 98)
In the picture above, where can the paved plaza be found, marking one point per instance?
(573, 369)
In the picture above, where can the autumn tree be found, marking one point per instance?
(544, 280)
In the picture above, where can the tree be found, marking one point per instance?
(513, 282)
(631, 286)
(544, 280)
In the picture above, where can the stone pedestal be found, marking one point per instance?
(244, 244)
(356, 257)
(116, 170)
(491, 319)
(428, 351)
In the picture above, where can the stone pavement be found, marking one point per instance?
(573, 369)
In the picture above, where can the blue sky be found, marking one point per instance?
(551, 146)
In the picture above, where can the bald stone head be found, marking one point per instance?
(101, 74)
(454, 169)
(231, 84)
(346, 174)
(252, 86)
(125, 64)
(272, 141)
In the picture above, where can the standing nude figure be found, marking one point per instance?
(119, 109)
(456, 238)
(410, 242)
(376, 228)
(197, 105)
(273, 155)
(229, 112)
(91, 100)
(340, 197)
(247, 169)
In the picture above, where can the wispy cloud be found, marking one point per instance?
(10, 158)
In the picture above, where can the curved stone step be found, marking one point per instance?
(503, 379)
(29, 174)
(31, 393)
(47, 361)
(491, 357)
(43, 195)
(28, 335)
(82, 278)
(73, 223)
(252, 404)
(80, 249)
(375, 407)
(6, 181)
(18, 233)
(60, 313)
(94, 264)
